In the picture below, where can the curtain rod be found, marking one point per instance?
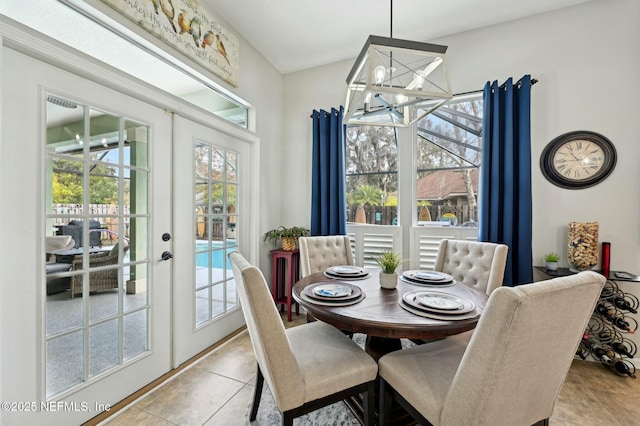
(518, 83)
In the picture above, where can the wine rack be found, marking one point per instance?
(606, 337)
(614, 320)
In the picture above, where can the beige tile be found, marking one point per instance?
(236, 411)
(138, 417)
(191, 398)
(234, 360)
(577, 404)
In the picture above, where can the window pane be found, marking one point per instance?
(448, 158)
(372, 175)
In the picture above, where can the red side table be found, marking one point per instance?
(286, 271)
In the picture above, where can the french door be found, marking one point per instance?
(93, 322)
(212, 171)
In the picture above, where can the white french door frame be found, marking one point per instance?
(190, 339)
(24, 243)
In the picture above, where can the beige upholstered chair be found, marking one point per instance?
(320, 253)
(306, 367)
(511, 371)
(477, 264)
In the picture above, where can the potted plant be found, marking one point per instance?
(551, 260)
(288, 237)
(388, 262)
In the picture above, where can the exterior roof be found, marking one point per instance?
(444, 184)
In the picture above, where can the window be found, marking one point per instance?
(448, 158)
(444, 204)
(116, 49)
(372, 175)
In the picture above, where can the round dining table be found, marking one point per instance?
(380, 316)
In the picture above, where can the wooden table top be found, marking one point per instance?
(380, 315)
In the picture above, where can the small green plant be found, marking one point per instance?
(552, 256)
(276, 234)
(389, 262)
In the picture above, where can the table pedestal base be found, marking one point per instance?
(377, 347)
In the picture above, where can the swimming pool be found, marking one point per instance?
(218, 254)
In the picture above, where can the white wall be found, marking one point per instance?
(585, 59)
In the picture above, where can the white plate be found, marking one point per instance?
(346, 277)
(469, 315)
(332, 302)
(332, 290)
(427, 276)
(440, 301)
(427, 283)
(412, 298)
(346, 270)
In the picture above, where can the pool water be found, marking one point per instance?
(218, 254)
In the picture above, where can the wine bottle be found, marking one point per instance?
(620, 348)
(622, 303)
(622, 324)
(602, 355)
(604, 311)
(623, 368)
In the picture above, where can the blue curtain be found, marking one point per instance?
(505, 197)
(328, 187)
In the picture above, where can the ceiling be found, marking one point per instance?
(294, 34)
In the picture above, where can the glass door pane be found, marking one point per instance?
(96, 244)
(215, 223)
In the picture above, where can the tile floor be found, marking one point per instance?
(217, 390)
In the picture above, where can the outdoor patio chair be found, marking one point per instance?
(106, 279)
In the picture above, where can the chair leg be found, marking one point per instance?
(370, 404)
(257, 394)
(384, 407)
(287, 419)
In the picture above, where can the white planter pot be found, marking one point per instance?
(552, 266)
(389, 281)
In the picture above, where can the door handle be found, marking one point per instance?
(166, 255)
(166, 236)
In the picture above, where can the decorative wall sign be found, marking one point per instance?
(187, 27)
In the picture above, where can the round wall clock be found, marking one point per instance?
(577, 160)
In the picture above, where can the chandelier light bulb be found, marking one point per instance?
(419, 79)
(378, 74)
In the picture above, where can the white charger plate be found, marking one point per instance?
(413, 299)
(442, 317)
(427, 276)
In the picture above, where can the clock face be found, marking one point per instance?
(578, 160)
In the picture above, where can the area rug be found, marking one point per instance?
(337, 414)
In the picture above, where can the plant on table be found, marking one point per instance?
(388, 262)
(288, 237)
(551, 258)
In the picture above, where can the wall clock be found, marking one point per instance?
(577, 160)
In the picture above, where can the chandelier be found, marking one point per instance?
(396, 82)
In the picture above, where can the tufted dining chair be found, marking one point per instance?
(512, 369)
(320, 253)
(306, 367)
(474, 263)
